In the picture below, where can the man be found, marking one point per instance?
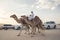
(31, 16)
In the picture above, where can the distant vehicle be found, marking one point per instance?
(8, 26)
(50, 24)
(1, 27)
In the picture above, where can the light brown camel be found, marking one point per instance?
(22, 22)
(36, 22)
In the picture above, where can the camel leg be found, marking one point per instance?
(41, 31)
(33, 31)
(27, 29)
(38, 29)
(20, 31)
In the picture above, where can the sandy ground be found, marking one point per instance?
(52, 34)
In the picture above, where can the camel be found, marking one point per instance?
(37, 23)
(20, 21)
(26, 23)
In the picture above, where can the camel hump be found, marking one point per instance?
(36, 17)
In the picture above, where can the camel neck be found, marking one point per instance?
(17, 20)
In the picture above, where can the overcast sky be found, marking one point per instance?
(47, 10)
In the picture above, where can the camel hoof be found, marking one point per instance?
(32, 36)
(18, 35)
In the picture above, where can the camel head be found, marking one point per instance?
(13, 16)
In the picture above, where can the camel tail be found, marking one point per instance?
(42, 27)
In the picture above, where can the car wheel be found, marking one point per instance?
(54, 26)
(5, 28)
(48, 27)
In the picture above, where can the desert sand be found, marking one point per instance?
(52, 34)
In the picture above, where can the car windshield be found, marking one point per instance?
(50, 22)
(7, 25)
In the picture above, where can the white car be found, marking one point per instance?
(7, 26)
(50, 24)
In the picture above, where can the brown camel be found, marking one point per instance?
(20, 21)
(26, 23)
(36, 22)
